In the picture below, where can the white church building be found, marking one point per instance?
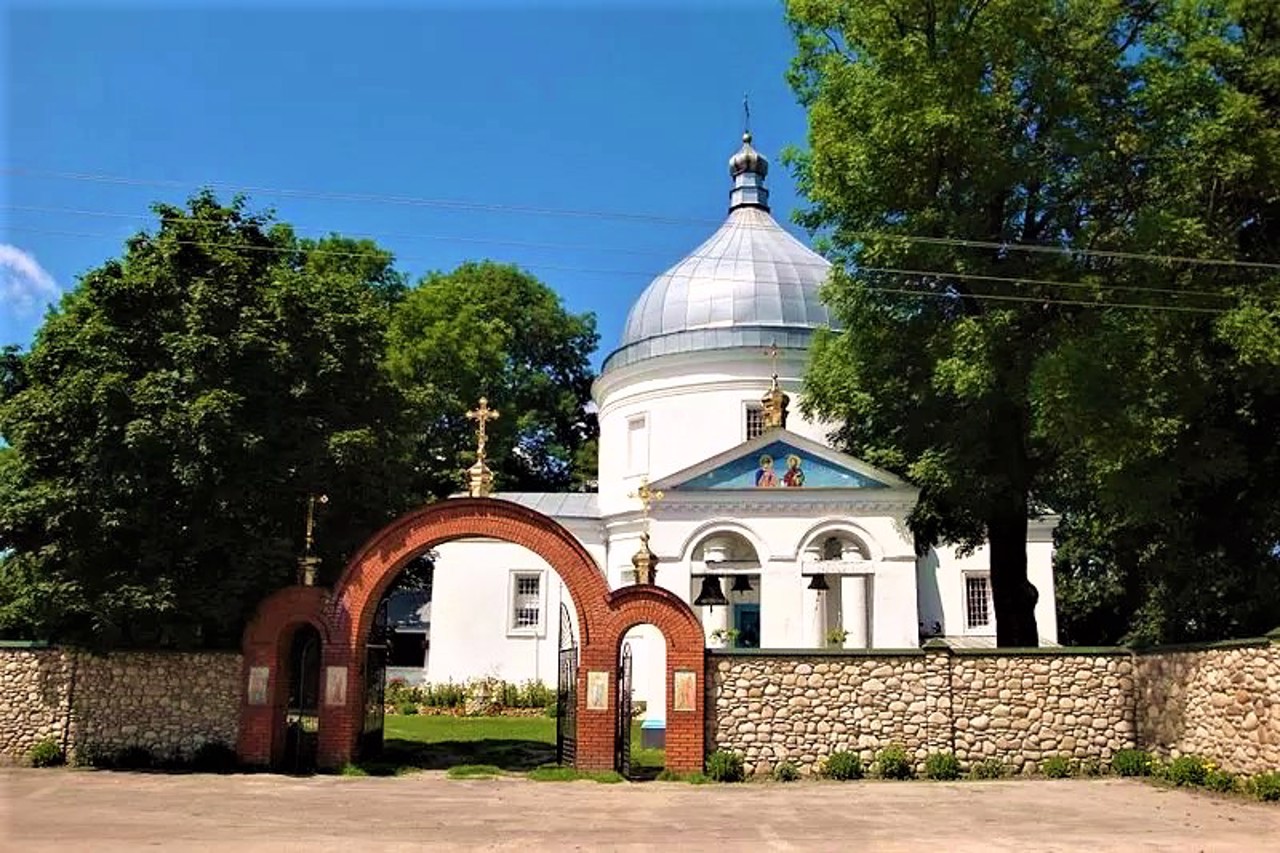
(778, 540)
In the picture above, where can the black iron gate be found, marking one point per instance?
(622, 755)
(375, 684)
(302, 712)
(567, 692)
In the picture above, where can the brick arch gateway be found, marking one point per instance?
(344, 616)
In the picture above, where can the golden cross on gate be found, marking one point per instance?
(648, 497)
(482, 414)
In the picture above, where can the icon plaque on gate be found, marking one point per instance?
(685, 689)
(597, 691)
(258, 676)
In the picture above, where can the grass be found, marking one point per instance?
(570, 774)
(504, 744)
(474, 771)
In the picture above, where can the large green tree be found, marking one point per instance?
(941, 133)
(172, 416)
(493, 330)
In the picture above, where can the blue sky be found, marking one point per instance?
(602, 107)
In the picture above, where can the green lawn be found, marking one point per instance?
(509, 743)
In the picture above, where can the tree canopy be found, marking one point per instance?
(180, 404)
(984, 171)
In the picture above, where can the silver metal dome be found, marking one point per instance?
(749, 285)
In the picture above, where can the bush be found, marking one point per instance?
(843, 765)
(47, 753)
(987, 768)
(1056, 767)
(407, 709)
(1220, 781)
(1132, 762)
(214, 756)
(1091, 767)
(942, 766)
(786, 772)
(1266, 786)
(892, 762)
(724, 766)
(1186, 771)
(133, 758)
(552, 710)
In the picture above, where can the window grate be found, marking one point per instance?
(526, 606)
(755, 421)
(977, 590)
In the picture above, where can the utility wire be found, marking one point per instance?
(458, 204)
(937, 274)
(817, 265)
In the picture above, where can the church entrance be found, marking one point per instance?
(302, 711)
(352, 649)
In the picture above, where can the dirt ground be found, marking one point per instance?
(72, 810)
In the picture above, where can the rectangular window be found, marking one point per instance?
(526, 601)
(755, 420)
(638, 445)
(977, 601)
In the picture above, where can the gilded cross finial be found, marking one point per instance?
(746, 118)
(482, 414)
(648, 497)
(308, 562)
(776, 400)
(644, 560)
(773, 352)
(479, 477)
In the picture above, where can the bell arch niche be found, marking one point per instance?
(836, 563)
(345, 616)
(725, 576)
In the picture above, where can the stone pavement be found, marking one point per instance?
(74, 810)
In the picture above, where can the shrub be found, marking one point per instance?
(987, 768)
(1220, 781)
(843, 765)
(47, 753)
(397, 691)
(1091, 767)
(1056, 767)
(1186, 771)
(724, 766)
(1132, 762)
(407, 709)
(133, 758)
(942, 766)
(1266, 786)
(214, 756)
(892, 762)
(552, 710)
(786, 772)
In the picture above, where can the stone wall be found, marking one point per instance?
(168, 702)
(1223, 703)
(1016, 707)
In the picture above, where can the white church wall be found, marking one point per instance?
(951, 570)
(693, 407)
(473, 625)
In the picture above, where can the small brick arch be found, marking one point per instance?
(345, 615)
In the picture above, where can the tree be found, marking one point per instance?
(989, 123)
(175, 411)
(489, 329)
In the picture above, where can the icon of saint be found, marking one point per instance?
(794, 476)
(766, 478)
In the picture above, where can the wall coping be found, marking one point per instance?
(816, 653)
(24, 644)
(1244, 643)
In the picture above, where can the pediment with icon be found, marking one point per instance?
(784, 461)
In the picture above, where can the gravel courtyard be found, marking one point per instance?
(72, 810)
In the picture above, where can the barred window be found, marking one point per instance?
(977, 597)
(755, 421)
(526, 601)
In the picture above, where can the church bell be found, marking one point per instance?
(741, 583)
(711, 593)
(819, 583)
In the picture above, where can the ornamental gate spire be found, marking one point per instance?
(644, 560)
(479, 477)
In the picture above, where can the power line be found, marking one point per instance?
(939, 274)
(459, 204)
(1168, 291)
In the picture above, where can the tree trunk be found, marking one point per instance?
(1012, 594)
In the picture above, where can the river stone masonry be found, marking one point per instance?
(167, 702)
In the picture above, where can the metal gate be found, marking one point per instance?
(567, 692)
(622, 755)
(302, 711)
(375, 684)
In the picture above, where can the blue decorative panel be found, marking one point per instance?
(780, 466)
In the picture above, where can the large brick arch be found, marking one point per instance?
(345, 616)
